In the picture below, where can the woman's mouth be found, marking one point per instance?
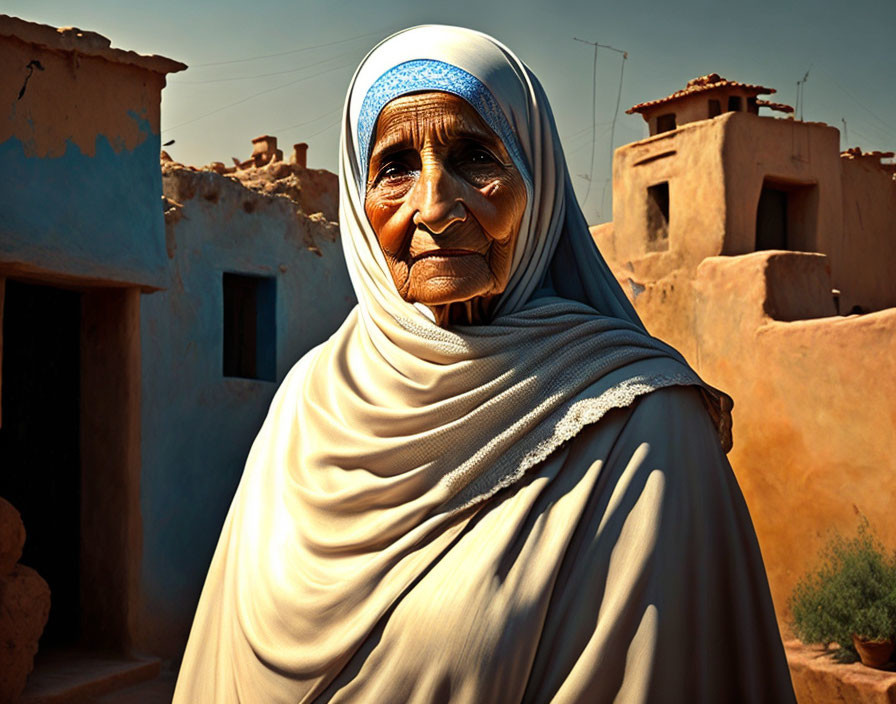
(447, 252)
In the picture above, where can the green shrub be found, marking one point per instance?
(853, 591)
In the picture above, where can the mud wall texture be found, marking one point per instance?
(786, 331)
(815, 404)
(869, 235)
(198, 423)
(79, 142)
(193, 308)
(814, 396)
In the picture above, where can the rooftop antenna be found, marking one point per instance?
(590, 178)
(800, 86)
(593, 115)
(613, 125)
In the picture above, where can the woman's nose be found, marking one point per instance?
(437, 199)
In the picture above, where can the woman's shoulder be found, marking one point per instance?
(672, 401)
(672, 417)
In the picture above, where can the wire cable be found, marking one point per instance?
(291, 51)
(255, 95)
(307, 122)
(613, 126)
(344, 55)
(886, 128)
(324, 129)
(593, 121)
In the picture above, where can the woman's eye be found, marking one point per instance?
(393, 170)
(478, 165)
(397, 168)
(481, 156)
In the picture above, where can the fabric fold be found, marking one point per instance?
(399, 456)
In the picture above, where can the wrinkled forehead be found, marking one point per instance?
(434, 116)
(447, 59)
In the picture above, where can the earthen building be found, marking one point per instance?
(768, 257)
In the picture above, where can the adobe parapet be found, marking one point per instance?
(71, 40)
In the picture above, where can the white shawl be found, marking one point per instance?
(380, 436)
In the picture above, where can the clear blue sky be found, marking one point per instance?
(849, 49)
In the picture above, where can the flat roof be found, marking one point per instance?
(72, 39)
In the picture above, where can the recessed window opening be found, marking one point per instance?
(665, 123)
(786, 216)
(752, 105)
(658, 217)
(715, 108)
(771, 219)
(249, 326)
(734, 103)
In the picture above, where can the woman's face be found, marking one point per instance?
(445, 202)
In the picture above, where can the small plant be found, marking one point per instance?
(853, 592)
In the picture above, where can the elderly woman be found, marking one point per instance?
(490, 484)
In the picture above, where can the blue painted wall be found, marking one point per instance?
(98, 220)
(88, 216)
(198, 425)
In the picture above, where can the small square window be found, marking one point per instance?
(665, 123)
(715, 108)
(734, 103)
(250, 342)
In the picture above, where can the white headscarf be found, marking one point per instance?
(554, 242)
(380, 435)
(480, 404)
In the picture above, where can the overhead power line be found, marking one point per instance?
(344, 55)
(380, 32)
(575, 135)
(328, 113)
(323, 129)
(255, 95)
(885, 127)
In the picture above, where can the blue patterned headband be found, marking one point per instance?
(429, 74)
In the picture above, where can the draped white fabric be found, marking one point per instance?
(385, 442)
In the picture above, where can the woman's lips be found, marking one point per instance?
(443, 253)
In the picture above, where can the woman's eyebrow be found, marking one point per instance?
(393, 141)
(476, 134)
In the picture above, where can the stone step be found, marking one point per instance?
(77, 677)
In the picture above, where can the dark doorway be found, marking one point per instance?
(40, 472)
(771, 219)
(786, 216)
